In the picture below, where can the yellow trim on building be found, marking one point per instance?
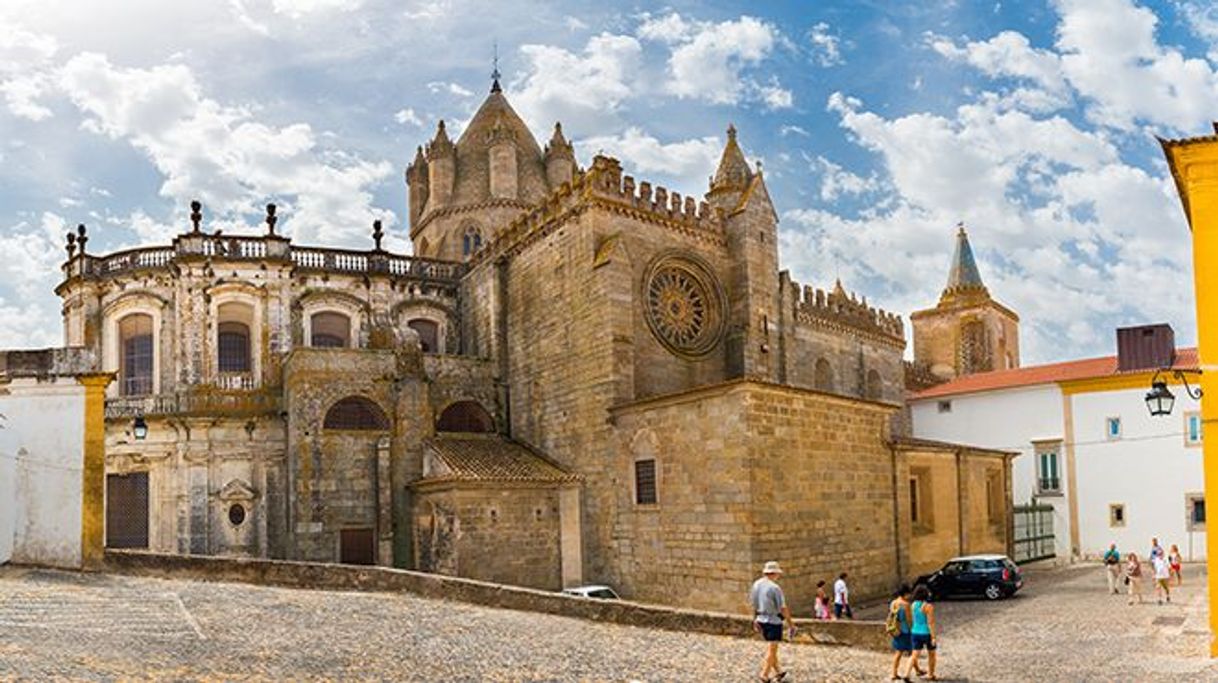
(93, 472)
(1132, 380)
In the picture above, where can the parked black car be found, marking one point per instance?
(991, 576)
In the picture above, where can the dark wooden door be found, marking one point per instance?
(127, 510)
(356, 546)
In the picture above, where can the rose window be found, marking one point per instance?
(683, 307)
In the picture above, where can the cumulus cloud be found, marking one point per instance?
(407, 116)
(585, 90)
(836, 182)
(220, 153)
(450, 88)
(25, 70)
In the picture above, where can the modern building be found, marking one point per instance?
(1110, 470)
(575, 377)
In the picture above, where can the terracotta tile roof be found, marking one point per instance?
(490, 457)
(1087, 368)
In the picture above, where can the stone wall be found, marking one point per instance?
(750, 472)
(936, 535)
(938, 337)
(502, 533)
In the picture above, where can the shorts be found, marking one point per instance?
(771, 632)
(1162, 583)
(902, 643)
(922, 640)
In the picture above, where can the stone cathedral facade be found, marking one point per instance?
(576, 377)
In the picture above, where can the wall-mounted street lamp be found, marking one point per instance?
(1160, 400)
(139, 428)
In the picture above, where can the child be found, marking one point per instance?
(822, 602)
(1177, 563)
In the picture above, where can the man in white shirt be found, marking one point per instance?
(770, 613)
(841, 598)
(1162, 576)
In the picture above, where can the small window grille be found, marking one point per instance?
(945, 406)
(645, 482)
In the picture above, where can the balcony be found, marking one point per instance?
(198, 401)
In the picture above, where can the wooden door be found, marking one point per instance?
(127, 510)
(356, 546)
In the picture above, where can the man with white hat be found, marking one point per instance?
(770, 612)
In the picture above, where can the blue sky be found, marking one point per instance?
(879, 125)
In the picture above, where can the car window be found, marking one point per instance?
(953, 568)
(604, 594)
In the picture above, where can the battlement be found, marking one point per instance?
(838, 307)
(604, 182)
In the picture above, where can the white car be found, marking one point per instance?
(597, 592)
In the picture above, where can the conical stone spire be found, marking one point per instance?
(733, 172)
(963, 278)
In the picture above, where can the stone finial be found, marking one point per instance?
(196, 216)
(71, 246)
(495, 72)
(271, 220)
(731, 131)
(82, 236)
(733, 172)
(377, 233)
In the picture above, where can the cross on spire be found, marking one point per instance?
(495, 71)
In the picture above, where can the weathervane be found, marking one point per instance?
(495, 71)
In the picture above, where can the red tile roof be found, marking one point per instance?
(1087, 368)
(487, 457)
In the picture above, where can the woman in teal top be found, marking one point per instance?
(922, 632)
(899, 612)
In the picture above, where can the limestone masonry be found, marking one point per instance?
(578, 377)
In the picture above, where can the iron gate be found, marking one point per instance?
(1034, 538)
(127, 510)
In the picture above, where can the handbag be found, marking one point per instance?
(1126, 580)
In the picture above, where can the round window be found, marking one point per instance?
(236, 514)
(683, 306)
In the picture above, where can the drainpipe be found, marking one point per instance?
(960, 499)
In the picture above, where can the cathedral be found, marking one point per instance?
(575, 377)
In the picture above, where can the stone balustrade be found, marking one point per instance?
(199, 400)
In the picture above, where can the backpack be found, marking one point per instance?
(892, 625)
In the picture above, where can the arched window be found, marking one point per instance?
(329, 330)
(356, 412)
(471, 241)
(136, 354)
(824, 375)
(465, 416)
(875, 385)
(233, 337)
(429, 334)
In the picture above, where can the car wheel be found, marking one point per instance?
(993, 591)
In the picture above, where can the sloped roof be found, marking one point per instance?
(490, 457)
(1087, 368)
(964, 271)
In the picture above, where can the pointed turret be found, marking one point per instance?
(733, 173)
(560, 159)
(441, 169)
(416, 185)
(963, 280)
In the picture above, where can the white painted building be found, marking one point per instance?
(1111, 471)
(47, 399)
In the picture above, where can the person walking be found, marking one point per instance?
(770, 613)
(1112, 563)
(1162, 579)
(821, 608)
(1156, 550)
(922, 633)
(1133, 577)
(1177, 564)
(898, 626)
(841, 598)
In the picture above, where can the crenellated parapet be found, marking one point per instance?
(605, 187)
(837, 309)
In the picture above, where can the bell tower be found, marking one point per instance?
(967, 331)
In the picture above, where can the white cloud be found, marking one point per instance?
(407, 116)
(792, 130)
(220, 154)
(297, 9)
(687, 163)
(1202, 18)
(1010, 54)
(708, 59)
(450, 88)
(585, 90)
(25, 60)
(825, 46)
(837, 181)
(776, 97)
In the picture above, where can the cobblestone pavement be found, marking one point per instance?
(100, 627)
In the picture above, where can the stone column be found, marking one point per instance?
(93, 472)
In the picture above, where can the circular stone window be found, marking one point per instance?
(236, 514)
(684, 306)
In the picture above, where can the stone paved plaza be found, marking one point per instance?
(101, 627)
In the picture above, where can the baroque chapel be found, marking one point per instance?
(576, 377)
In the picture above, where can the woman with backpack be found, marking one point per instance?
(898, 624)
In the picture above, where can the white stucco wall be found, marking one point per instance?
(41, 451)
(1149, 470)
(1009, 419)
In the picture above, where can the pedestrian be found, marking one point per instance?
(898, 626)
(1177, 564)
(770, 613)
(1162, 577)
(821, 609)
(922, 633)
(1112, 563)
(841, 598)
(1133, 577)
(1156, 550)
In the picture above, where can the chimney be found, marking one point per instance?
(1145, 347)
